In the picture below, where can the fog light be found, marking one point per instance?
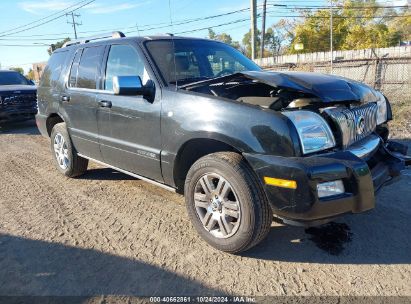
(330, 188)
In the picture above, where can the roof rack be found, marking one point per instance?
(113, 35)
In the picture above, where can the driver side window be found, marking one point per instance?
(123, 60)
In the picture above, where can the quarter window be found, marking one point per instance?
(74, 69)
(52, 72)
(123, 60)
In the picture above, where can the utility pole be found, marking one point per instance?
(331, 35)
(263, 28)
(253, 9)
(73, 22)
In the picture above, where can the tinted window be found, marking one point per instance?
(74, 69)
(88, 68)
(52, 72)
(187, 61)
(11, 78)
(123, 60)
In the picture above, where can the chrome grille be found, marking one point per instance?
(353, 124)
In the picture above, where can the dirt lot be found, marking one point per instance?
(106, 233)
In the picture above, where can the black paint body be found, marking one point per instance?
(148, 137)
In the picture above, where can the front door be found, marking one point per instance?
(129, 126)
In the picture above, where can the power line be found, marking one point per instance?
(162, 25)
(73, 22)
(44, 18)
(183, 22)
(342, 17)
(48, 21)
(142, 27)
(224, 24)
(24, 45)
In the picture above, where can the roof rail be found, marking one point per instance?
(97, 37)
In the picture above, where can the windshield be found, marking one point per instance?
(11, 78)
(196, 60)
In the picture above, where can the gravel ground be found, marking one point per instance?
(107, 233)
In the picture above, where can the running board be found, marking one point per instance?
(129, 173)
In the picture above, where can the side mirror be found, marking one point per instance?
(132, 85)
(127, 85)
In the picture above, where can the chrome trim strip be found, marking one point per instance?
(131, 174)
(365, 147)
(74, 89)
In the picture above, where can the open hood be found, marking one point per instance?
(327, 88)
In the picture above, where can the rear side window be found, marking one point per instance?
(53, 70)
(84, 73)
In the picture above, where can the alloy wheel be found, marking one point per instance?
(61, 151)
(217, 205)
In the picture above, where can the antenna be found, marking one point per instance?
(174, 46)
(73, 22)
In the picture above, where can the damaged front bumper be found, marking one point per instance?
(363, 169)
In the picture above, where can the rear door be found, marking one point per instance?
(129, 128)
(79, 102)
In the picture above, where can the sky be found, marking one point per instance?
(133, 17)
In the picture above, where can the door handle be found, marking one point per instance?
(105, 104)
(65, 98)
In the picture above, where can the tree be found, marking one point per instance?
(57, 45)
(271, 42)
(30, 74)
(18, 69)
(223, 37)
(354, 27)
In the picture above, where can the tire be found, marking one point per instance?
(240, 214)
(72, 165)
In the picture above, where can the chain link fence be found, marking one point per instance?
(388, 75)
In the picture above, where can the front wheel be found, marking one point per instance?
(65, 155)
(226, 203)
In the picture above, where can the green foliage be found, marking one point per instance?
(349, 30)
(223, 37)
(57, 45)
(30, 74)
(272, 42)
(18, 69)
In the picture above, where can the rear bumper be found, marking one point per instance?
(41, 122)
(362, 177)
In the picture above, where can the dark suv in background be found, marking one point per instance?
(197, 117)
(18, 99)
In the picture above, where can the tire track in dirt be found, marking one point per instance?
(138, 221)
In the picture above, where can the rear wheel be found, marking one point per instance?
(66, 158)
(226, 203)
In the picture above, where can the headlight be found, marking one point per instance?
(313, 130)
(382, 109)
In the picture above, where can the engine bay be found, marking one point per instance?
(255, 92)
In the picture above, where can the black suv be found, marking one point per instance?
(197, 117)
(17, 97)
